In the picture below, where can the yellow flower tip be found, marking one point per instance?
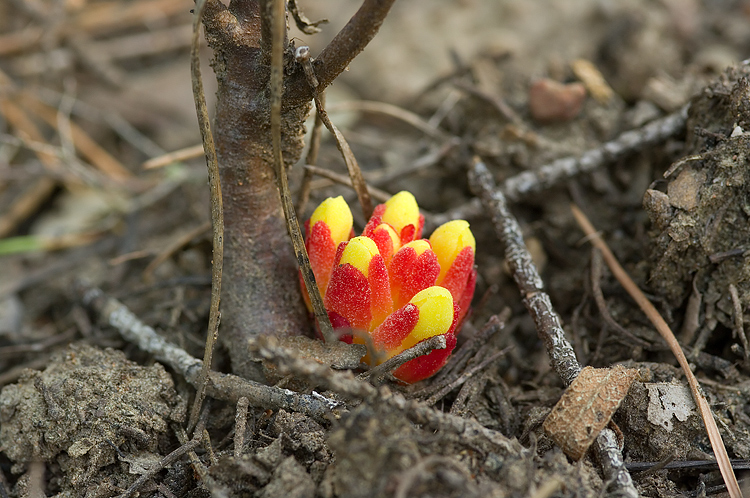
(435, 306)
(401, 210)
(419, 246)
(395, 238)
(335, 213)
(450, 239)
(359, 252)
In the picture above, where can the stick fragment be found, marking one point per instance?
(518, 186)
(226, 387)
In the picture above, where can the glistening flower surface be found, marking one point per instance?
(388, 288)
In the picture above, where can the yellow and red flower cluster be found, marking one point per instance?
(388, 288)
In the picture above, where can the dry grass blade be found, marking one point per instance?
(395, 112)
(377, 194)
(720, 451)
(298, 243)
(217, 212)
(173, 157)
(92, 151)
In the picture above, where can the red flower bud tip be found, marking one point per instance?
(414, 267)
(358, 289)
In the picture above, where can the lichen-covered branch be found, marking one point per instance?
(547, 321)
(518, 186)
(525, 274)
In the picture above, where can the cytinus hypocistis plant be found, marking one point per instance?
(388, 288)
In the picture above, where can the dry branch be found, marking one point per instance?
(627, 142)
(346, 385)
(220, 386)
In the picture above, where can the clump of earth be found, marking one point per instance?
(102, 418)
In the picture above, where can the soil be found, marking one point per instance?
(83, 412)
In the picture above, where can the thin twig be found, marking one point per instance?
(173, 247)
(217, 212)
(538, 304)
(375, 374)
(653, 315)
(628, 142)
(601, 304)
(377, 194)
(393, 111)
(465, 376)
(172, 157)
(465, 353)
(336, 56)
(352, 166)
(298, 243)
(739, 326)
(163, 463)
(312, 156)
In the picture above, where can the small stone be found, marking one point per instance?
(553, 102)
(683, 191)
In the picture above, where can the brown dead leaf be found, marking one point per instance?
(587, 406)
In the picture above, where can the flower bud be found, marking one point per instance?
(330, 224)
(454, 245)
(358, 289)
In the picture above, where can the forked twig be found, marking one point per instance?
(217, 212)
(720, 451)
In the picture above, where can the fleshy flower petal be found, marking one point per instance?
(330, 224)
(454, 246)
(414, 267)
(359, 290)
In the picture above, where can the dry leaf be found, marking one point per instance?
(587, 406)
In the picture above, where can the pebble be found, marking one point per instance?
(554, 102)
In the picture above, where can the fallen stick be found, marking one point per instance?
(226, 387)
(656, 131)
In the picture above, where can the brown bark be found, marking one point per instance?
(260, 293)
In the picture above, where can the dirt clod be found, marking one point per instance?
(93, 410)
